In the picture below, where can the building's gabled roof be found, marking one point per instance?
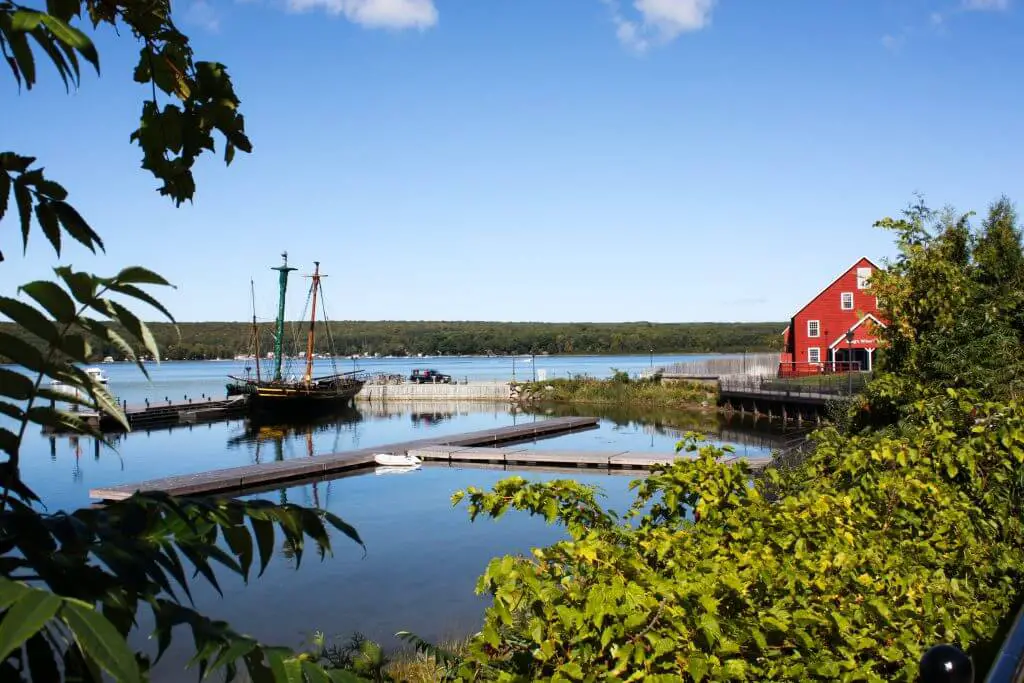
(855, 326)
(838, 277)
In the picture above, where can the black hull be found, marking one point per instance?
(277, 403)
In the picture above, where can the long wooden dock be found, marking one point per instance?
(237, 480)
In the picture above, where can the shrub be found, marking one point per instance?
(876, 547)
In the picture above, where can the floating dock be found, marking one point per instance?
(158, 415)
(237, 480)
(563, 458)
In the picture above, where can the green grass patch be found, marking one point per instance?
(620, 390)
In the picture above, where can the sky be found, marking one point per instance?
(541, 160)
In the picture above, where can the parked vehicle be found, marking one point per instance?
(429, 376)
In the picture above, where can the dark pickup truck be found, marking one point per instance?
(429, 377)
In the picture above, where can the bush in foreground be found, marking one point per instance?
(875, 548)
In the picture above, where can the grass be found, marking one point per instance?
(620, 390)
(418, 667)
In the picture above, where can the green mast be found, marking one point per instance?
(279, 332)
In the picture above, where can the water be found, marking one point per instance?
(422, 557)
(175, 379)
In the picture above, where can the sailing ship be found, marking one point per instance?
(279, 399)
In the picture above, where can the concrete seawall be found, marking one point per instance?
(474, 391)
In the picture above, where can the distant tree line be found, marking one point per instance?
(198, 341)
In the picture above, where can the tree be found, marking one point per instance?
(954, 297)
(72, 583)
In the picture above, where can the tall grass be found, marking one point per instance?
(413, 666)
(619, 390)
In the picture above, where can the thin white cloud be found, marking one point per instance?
(986, 5)
(202, 14)
(891, 42)
(939, 22)
(656, 22)
(394, 14)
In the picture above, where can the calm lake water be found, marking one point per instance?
(422, 556)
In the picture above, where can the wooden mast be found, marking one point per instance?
(255, 331)
(312, 324)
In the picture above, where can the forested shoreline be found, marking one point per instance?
(206, 340)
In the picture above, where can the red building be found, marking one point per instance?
(835, 331)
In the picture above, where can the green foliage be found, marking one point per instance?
(619, 390)
(172, 136)
(73, 584)
(874, 548)
(94, 569)
(199, 341)
(956, 301)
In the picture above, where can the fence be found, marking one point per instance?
(805, 369)
(476, 391)
(752, 364)
(829, 385)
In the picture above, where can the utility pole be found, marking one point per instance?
(849, 362)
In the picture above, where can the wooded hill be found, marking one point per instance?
(226, 339)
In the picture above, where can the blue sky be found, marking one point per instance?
(548, 160)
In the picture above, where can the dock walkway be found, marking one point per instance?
(562, 458)
(237, 480)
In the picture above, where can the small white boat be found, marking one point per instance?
(108, 359)
(391, 460)
(395, 470)
(97, 375)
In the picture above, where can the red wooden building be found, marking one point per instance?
(835, 331)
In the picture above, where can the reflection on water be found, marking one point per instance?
(422, 556)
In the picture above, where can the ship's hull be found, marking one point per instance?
(279, 401)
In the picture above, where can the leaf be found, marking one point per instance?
(15, 385)
(63, 9)
(25, 617)
(76, 226)
(25, 20)
(61, 420)
(313, 673)
(30, 319)
(100, 641)
(53, 298)
(5, 191)
(135, 327)
(141, 276)
(47, 218)
(45, 41)
(72, 37)
(240, 542)
(22, 57)
(264, 532)
(42, 660)
(22, 353)
(23, 198)
(233, 652)
(10, 592)
(141, 295)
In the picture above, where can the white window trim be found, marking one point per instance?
(842, 300)
(817, 332)
(813, 348)
(862, 283)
